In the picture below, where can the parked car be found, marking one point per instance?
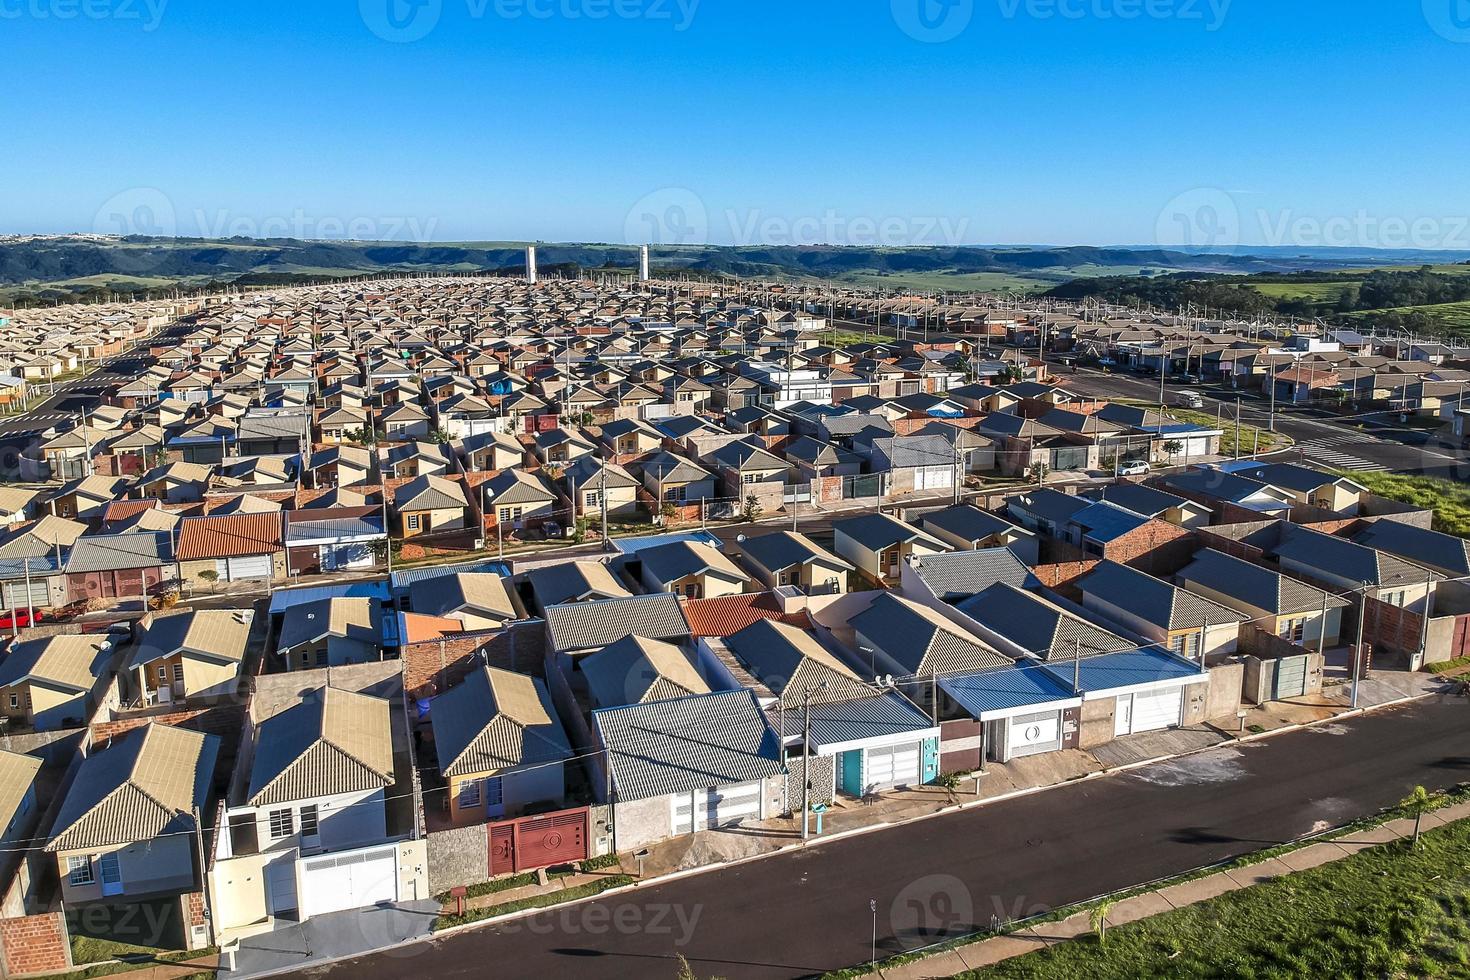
(20, 619)
(1136, 468)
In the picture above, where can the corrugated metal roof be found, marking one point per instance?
(68, 661)
(111, 552)
(685, 744)
(988, 691)
(636, 669)
(17, 775)
(965, 573)
(584, 625)
(1114, 670)
(349, 527)
(921, 640)
(632, 546)
(574, 581)
(286, 598)
(877, 717)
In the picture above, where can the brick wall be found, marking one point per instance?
(1159, 548)
(1063, 576)
(224, 720)
(1392, 627)
(435, 666)
(35, 944)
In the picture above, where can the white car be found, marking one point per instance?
(1135, 468)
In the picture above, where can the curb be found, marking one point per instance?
(826, 838)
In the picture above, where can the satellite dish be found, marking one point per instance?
(740, 538)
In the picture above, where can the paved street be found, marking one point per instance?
(798, 915)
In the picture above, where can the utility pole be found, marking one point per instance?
(602, 498)
(1358, 648)
(387, 531)
(806, 748)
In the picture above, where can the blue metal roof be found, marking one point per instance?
(631, 546)
(988, 691)
(40, 566)
(350, 527)
(1104, 521)
(406, 578)
(1108, 671)
(286, 598)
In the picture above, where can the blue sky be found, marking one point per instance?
(928, 121)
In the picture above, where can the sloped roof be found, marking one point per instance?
(496, 719)
(463, 591)
(965, 573)
(878, 531)
(1042, 629)
(231, 536)
(790, 661)
(109, 552)
(146, 784)
(574, 581)
(784, 549)
(673, 561)
(920, 639)
(1154, 600)
(584, 625)
(429, 492)
(332, 742)
(1262, 588)
(636, 669)
(220, 635)
(17, 775)
(68, 661)
(684, 744)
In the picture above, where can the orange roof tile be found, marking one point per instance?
(417, 627)
(231, 536)
(732, 613)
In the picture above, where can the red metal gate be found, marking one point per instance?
(538, 842)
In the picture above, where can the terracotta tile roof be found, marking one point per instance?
(231, 536)
(121, 510)
(732, 613)
(416, 627)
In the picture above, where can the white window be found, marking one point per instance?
(750, 478)
(594, 498)
(282, 824)
(178, 672)
(413, 522)
(469, 794)
(14, 701)
(79, 870)
(163, 672)
(309, 824)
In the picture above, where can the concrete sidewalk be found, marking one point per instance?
(987, 952)
(295, 945)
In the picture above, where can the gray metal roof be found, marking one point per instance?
(1433, 549)
(878, 531)
(110, 552)
(348, 527)
(789, 661)
(1344, 559)
(1154, 600)
(783, 549)
(920, 639)
(969, 522)
(1038, 627)
(1257, 586)
(584, 625)
(964, 573)
(879, 716)
(687, 744)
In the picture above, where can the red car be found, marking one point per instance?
(19, 619)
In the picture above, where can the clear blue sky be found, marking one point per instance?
(1038, 121)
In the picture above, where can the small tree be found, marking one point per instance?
(209, 575)
(1038, 473)
(1417, 803)
(1098, 919)
(753, 508)
(1173, 447)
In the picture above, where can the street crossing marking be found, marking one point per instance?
(1322, 451)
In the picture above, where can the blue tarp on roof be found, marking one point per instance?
(986, 692)
(286, 598)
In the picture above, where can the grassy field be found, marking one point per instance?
(1449, 500)
(1452, 316)
(953, 282)
(1316, 292)
(1391, 911)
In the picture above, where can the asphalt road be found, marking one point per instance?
(806, 913)
(1322, 439)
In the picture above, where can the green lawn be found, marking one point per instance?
(1391, 911)
(1315, 292)
(1454, 317)
(1450, 501)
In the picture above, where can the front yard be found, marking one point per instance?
(1391, 911)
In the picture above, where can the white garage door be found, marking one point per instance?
(933, 478)
(348, 881)
(894, 765)
(718, 806)
(236, 569)
(338, 556)
(1154, 710)
(1036, 733)
(15, 595)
